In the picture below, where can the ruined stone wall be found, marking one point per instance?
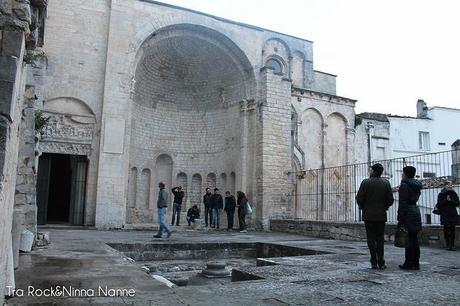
(12, 78)
(14, 26)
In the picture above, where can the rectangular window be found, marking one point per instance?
(441, 143)
(424, 140)
(428, 219)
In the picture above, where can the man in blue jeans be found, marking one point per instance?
(217, 205)
(177, 204)
(207, 201)
(162, 204)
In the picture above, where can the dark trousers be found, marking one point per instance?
(176, 211)
(449, 235)
(230, 216)
(207, 214)
(413, 251)
(241, 218)
(375, 231)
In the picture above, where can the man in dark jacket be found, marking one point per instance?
(409, 216)
(230, 204)
(217, 205)
(192, 214)
(447, 204)
(162, 204)
(177, 204)
(374, 198)
(207, 201)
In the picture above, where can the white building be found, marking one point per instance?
(424, 141)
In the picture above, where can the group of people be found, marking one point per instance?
(213, 205)
(375, 196)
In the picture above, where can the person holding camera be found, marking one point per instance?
(178, 196)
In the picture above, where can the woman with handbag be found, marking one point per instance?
(447, 205)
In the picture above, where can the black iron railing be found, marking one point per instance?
(329, 193)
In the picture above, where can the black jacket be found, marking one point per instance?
(230, 203)
(178, 196)
(447, 208)
(374, 197)
(193, 213)
(408, 211)
(217, 201)
(207, 200)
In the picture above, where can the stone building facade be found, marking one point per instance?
(161, 93)
(135, 92)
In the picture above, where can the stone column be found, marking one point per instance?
(273, 149)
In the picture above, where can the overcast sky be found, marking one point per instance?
(386, 54)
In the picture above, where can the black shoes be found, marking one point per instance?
(407, 267)
(157, 236)
(380, 267)
(169, 234)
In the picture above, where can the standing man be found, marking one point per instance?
(207, 201)
(162, 204)
(409, 216)
(178, 196)
(447, 204)
(217, 205)
(230, 204)
(374, 198)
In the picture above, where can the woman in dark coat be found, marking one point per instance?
(241, 204)
(447, 204)
(409, 216)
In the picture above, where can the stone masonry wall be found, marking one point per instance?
(274, 151)
(431, 235)
(12, 78)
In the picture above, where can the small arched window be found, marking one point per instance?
(275, 64)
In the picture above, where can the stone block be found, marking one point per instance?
(12, 43)
(6, 98)
(27, 241)
(9, 66)
(198, 224)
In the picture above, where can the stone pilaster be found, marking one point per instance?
(273, 149)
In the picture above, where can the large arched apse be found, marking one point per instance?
(189, 83)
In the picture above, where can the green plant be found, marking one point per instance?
(40, 120)
(33, 56)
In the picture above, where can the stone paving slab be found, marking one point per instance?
(82, 259)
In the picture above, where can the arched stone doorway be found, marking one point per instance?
(66, 146)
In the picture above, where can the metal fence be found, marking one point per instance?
(329, 193)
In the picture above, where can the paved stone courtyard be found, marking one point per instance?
(339, 274)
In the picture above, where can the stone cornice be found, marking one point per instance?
(307, 93)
